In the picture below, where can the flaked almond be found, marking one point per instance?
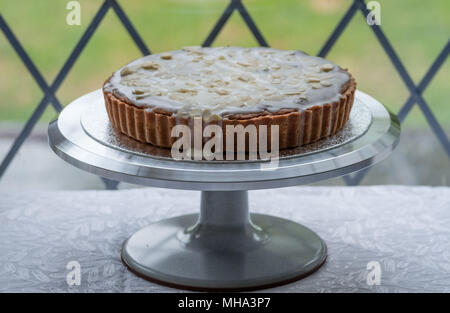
(316, 85)
(166, 56)
(194, 50)
(243, 78)
(327, 67)
(325, 83)
(221, 57)
(222, 92)
(150, 65)
(313, 80)
(126, 71)
(275, 67)
(293, 92)
(244, 64)
(138, 91)
(185, 90)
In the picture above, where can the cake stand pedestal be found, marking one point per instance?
(224, 247)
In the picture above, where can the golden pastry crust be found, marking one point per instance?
(296, 128)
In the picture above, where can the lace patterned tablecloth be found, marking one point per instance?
(404, 230)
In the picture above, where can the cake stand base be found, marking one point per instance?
(224, 248)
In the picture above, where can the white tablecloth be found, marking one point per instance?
(405, 229)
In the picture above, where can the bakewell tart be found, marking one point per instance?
(308, 97)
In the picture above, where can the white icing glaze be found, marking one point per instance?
(214, 82)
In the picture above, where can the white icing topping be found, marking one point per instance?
(213, 82)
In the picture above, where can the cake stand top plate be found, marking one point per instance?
(82, 136)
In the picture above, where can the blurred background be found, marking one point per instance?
(418, 31)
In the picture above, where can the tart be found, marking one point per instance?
(308, 97)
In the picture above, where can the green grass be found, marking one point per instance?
(418, 31)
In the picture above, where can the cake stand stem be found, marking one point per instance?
(224, 224)
(224, 247)
(225, 208)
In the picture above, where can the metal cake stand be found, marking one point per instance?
(224, 247)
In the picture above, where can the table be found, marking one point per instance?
(405, 229)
